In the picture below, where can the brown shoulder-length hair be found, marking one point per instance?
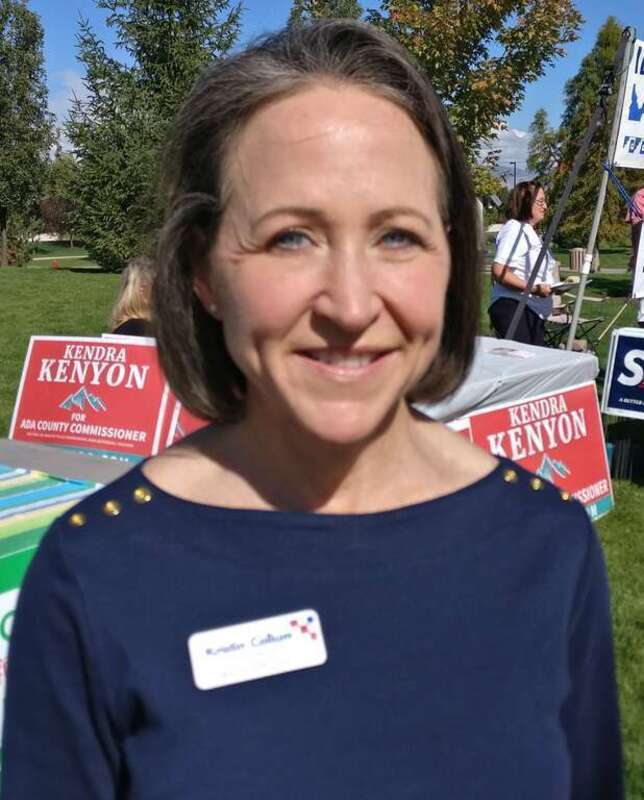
(521, 200)
(191, 343)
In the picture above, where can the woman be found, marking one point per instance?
(131, 312)
(517, 249)
(634, 217)
(323, 595)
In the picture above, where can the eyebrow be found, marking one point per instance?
(317, 215)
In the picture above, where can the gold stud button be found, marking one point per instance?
(565, 496)
(112, 508)
(510, 476)
(536, 484)
(142, 494)
(77, 519)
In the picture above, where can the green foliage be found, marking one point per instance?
(20, 239)
(582, 98)
(119, 131)
(57, 207)
(485, 182)
(324, 9)
(25, 124)
(480, 56)
(621, 534)
(543, 150)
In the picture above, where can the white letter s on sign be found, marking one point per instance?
(636, 370)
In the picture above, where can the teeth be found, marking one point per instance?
(336, 359)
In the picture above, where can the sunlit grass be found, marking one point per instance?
(54, 302)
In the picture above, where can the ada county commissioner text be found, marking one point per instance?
(81, 392)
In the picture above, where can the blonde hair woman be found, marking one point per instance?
(131, 313)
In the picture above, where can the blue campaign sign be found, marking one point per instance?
(629, 149)
(624, 387)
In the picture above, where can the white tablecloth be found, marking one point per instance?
(505, 371)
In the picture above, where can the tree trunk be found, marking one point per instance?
(4, 249)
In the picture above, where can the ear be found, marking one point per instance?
(202, 288)
(201, 282)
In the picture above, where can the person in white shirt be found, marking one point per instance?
(517, 248)
(634, 217)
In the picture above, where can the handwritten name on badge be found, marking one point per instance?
(257, 649)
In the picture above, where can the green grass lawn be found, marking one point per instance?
(55, 302)
(67, 257)
(622, 536)
(613, 258)
(76, 301)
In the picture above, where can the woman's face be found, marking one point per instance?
(539, 208)
(331, 264)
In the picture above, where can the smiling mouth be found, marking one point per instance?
(344, 359)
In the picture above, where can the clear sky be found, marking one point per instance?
(64, 73)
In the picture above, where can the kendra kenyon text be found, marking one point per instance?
(537, 426)
(93, 365)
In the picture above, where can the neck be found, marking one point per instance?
(299, 472)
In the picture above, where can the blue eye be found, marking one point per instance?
(290, 240)
(398, 239)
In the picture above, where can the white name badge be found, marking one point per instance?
(257, 649)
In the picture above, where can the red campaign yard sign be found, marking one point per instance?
(91, 394)
(184, 423)
(179, 422)
(557, 435)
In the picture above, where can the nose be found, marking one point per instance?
(348, 296)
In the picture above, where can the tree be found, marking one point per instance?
(486, 182)
(480, 56)
(57, 207)
(25, 124)
(324, 9)
(582, 96)
(119, 131)
(543, 149)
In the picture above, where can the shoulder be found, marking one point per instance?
(134, 327)
(505, 228)
(511, 234)
(502, 496)
(101, 547)
(101, 523)
(538, 513)
(509, 227)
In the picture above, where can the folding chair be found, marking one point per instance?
(588, 327)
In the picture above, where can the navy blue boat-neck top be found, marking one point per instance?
(468, 648)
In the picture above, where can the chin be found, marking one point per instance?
(346, 424)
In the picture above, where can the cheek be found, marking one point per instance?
(420, 301)
(258, 307)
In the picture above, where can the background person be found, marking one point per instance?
(434, 621)
(634, 218)
(517, 248)
(131, 313)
